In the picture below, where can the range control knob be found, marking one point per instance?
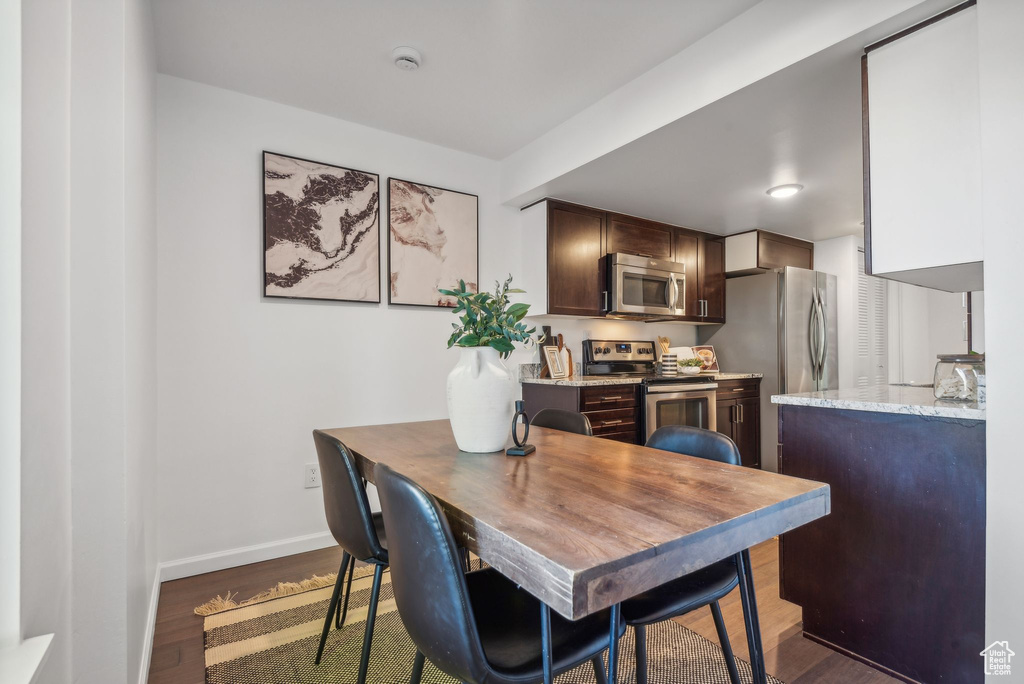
(607, 350)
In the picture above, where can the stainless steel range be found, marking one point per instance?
(678, 400)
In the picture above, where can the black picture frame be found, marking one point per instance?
(388, 272)
(264, 293)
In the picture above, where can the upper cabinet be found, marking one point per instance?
(922, 160)
(636, 236)
(565, 273)
(759, 251)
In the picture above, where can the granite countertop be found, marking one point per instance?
(911, 401)
(595, 380)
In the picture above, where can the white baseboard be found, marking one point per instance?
(220, 560)
(147, 639)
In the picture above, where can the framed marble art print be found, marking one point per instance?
(321, 231)
(432, 242)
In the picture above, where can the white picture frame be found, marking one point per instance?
(556, 364)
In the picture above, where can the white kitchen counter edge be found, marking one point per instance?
(910, 401)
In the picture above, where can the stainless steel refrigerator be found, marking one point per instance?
(782, 324)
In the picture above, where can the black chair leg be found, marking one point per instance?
(371, 618)
(333, 605)
(599, 670)
(750, 620)
(545, 643)
(417, 669)
(465, 560)
(640, 632)
(723, 638)
(339, 616)
(613, 644)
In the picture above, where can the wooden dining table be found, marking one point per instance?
(584, 523)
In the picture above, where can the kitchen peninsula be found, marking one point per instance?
(895, 577)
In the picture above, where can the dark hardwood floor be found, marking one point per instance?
(178, 639)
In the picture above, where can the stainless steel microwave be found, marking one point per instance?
(644, 287)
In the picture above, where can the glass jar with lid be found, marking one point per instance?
(960, 377)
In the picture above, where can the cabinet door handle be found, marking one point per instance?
(612, 398)
(611, 422)
(740, 407)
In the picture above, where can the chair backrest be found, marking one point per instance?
(560, 419)
(427, 578)
(345, 503)
(694, 441)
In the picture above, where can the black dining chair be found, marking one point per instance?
(706, 586)
(560, 419)
(478, 627)
(358, 531)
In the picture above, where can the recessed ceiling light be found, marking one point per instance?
(406, 58)
(780, 191)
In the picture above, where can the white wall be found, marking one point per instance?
(10, 321)
(140, 316)
(89, 336)
(1001, 54)
(46, 449)
(244, 380)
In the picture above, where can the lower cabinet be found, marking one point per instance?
(613, 410)
(739, 417)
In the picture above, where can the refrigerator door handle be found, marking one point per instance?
(812, 336)
(823, 337)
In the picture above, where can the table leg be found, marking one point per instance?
(749, 600)
(545, 642)
(613, 645)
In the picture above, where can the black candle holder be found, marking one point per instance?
(521, 448)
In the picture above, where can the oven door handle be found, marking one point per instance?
(676, 389)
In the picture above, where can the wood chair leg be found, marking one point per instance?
(599, 670)
(417, 669)
(371, 619)
(723, 638)
(640, 632)
(332, 607)
(339, 616)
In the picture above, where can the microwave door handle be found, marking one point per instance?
(670, 292)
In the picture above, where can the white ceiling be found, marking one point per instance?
(495, 74)
(710, 170)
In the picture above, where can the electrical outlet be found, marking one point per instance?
(312, 475)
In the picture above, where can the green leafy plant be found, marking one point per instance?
(489, 320)
(693, 361)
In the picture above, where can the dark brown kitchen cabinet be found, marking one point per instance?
(573, 279)
(704, 259)
(630, 235)
(687, 253)
(613, 410)
(576, 273)
(712, 280)
(895, 575)
(738, 409)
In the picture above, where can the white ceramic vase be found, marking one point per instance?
(481, 400)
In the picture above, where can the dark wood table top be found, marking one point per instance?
(584, 523)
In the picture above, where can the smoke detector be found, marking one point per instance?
(406, 58)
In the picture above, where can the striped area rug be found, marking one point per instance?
(274, 641)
